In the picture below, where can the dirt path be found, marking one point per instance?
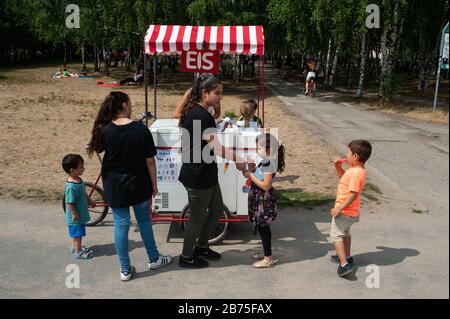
(412, 154)
(43, 119)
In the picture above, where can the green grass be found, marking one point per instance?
(289, 198)
(370, 190)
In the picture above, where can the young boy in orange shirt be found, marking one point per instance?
(346, 209)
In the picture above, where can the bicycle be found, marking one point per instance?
(101, 209)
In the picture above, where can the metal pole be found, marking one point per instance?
(154, 84)
(438, 76)
(258, 76)
(146, 88)
(437, 85)
(154, 65)
(262, 87)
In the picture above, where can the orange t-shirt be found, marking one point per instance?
(352, 181)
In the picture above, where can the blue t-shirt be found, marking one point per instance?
(75, 193)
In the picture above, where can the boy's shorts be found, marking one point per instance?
(340, 227)
(77, 231)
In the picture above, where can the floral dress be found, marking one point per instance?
(262, 205)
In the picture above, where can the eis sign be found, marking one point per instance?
(203, 61)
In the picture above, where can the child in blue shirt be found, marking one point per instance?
(77, 213)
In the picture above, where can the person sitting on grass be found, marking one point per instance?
(137, 78)
(76, 199)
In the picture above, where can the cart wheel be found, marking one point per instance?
(97, 214)
(220, 231)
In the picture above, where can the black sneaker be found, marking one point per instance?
(193, 262)
(344, 271)
(207, 253)
(335, 259)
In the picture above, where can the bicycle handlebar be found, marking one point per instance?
(147, 115)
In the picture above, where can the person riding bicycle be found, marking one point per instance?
(311, 76)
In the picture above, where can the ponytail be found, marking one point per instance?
(207, 82)
(281, 154)
(109, 110)
(268, 141)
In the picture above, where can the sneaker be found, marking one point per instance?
(306, 92)
(345, 270)
(83, 248)
(83, 255)
(335, 259)
(194, 262)
(207, 253)
(125, 275)
(160, 262)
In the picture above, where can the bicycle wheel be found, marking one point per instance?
(220, 231)
(98, 213)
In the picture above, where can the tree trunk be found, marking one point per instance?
(65, 55)
(96, 59)
(333, 69)
(421, 84)
(348, 72)
(83, 58)
(362, 66)
(327, 64)
(106, 61)
(388, 49)
(129, 58)
(319, 63)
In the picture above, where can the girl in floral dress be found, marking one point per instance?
(262, 204)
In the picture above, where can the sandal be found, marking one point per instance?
(83, 255)
(264, 263)
(258, 256)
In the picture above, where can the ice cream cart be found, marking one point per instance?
(171, 203)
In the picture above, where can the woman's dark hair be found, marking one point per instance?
(207, 82)
(71, 161)
(267, 141)
(109, 110)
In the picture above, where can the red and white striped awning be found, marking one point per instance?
(168, 39)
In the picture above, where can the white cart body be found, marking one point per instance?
(172, 196)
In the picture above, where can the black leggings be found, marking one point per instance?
(266, 237)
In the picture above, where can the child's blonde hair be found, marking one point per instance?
(248, 109)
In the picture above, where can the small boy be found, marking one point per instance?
(346, 209)
(77, 213)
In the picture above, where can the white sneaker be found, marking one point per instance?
(126, 275)
(161, 262)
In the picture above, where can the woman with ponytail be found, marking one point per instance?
(199, 170)
(129, 176)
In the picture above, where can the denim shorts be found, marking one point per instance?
(77, 231)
